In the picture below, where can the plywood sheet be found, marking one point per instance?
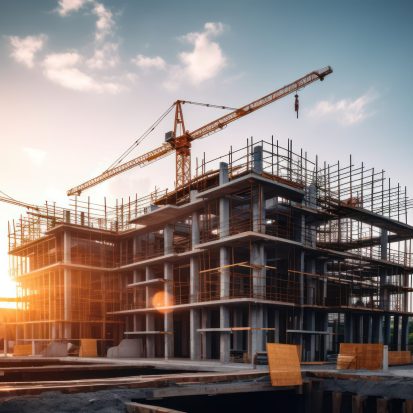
(399, 357)
(364, 356)
(22, 350)
(88, 347)
(284, 365)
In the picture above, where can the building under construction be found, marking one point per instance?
(264, 244)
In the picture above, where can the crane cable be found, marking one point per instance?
(10, 199)
(208, 105)
(154, 125)
(140, 139)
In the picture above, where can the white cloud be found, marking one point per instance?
(204, 62)
(104, 23)
(65, 7)
(104, 57)
(36, 156)
(25, 48)
(146, 62)
(63, 69)
(345, 111)
(206, 59)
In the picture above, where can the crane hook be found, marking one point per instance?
(296, 104)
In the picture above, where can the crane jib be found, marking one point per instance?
(205, 130)
(230, 117)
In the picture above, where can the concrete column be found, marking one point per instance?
(237, 336)
(311, 282)
(310, 230)
(54, 332)
(324, 271)
(277, 326)
(310, 338)
(194, 261)
(385, 358)
(257, 259)
(150, 317)
(396, 333)
(257, 159)
(386, 333)
(384, 294)
(224, 257)
(168, 316)
(195, 224)
(300, 315)
(206, 337)
(194, 316)
(359, 328)
(348, 328)
(256, 336)
(223, 202)
(258, 209)
(405, 305)
(377, 329)
(326, 337)
(168, 234)
(195, 339)
(405, 332)
(67, 284)
(224, 309)
(368, 328)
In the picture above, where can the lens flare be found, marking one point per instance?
(163, 299)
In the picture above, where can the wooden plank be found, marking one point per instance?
(382, 406)
(408, 406)
(198, 389)
(284, 365)
(132, 407)
(141, 384)
(357, 403)
(144, 333)
(336, 398)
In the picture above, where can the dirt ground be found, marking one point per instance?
(105, 401)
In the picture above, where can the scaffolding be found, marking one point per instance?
(299, 234)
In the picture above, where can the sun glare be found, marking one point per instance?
(161, 300)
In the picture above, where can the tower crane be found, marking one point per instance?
(9, 200)
(180, 140)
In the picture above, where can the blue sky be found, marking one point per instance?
(81, 79)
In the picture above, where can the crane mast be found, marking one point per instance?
(179, 140)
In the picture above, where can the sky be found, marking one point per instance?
(81, 80)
